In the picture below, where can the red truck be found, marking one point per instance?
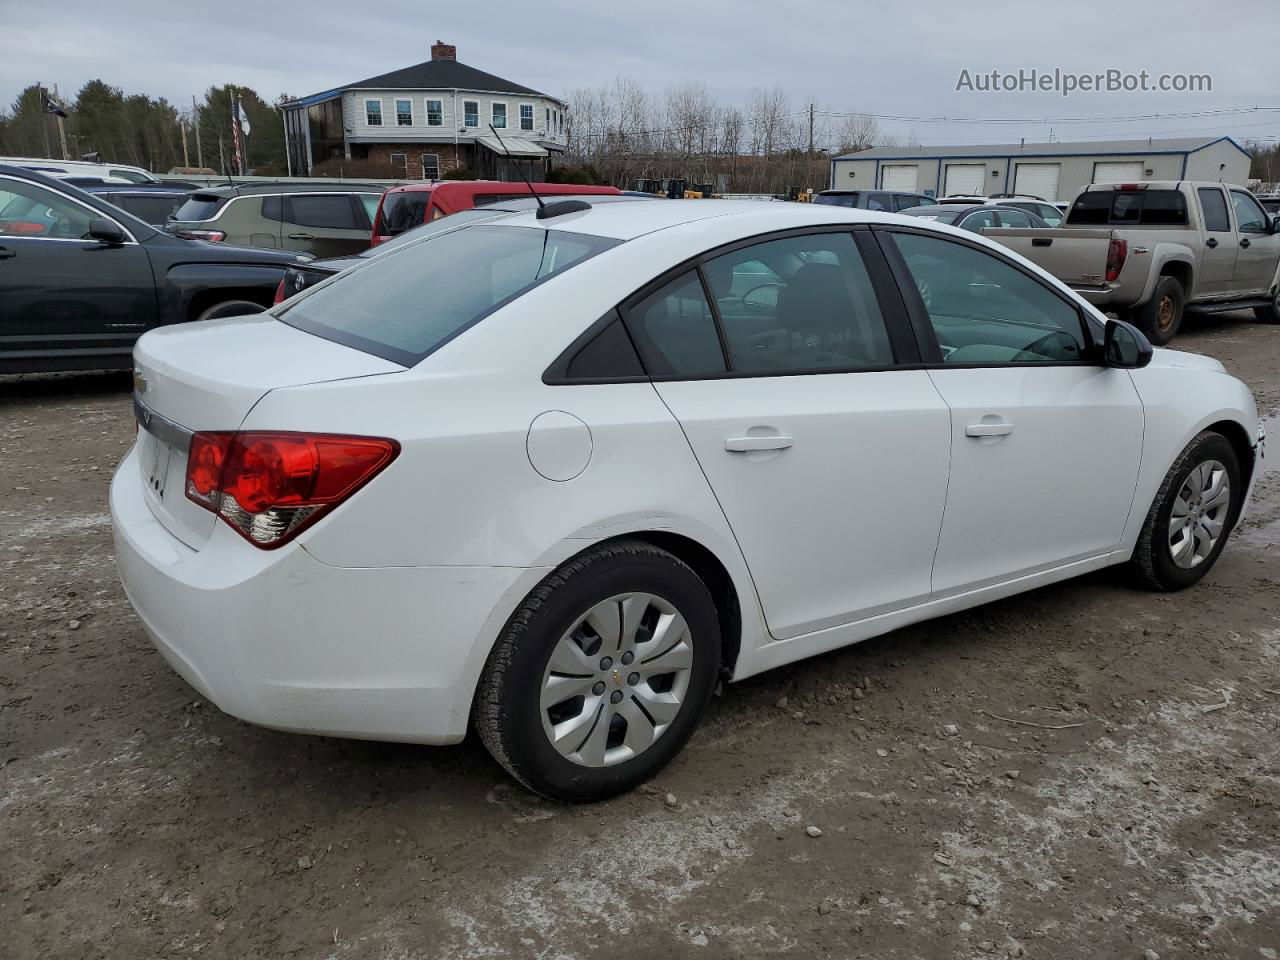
(403, 208)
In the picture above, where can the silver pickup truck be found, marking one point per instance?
(1147, 251)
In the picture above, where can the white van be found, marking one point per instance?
(82, 168)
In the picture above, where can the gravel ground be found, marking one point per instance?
(1034, 778)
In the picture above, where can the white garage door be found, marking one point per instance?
(899, 176)
(1129, 171)
(966, 178)
(1037, 179)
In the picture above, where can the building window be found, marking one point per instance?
(500, 116)
(431, 166)
(404, 113)
(526, 116)
(548, 119)
(470, 113)
(373, 113)
(400, 163)
(435, 113)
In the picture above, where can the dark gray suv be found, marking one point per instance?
(324, 219)
(891, 201)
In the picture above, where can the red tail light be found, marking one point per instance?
(280, 294)
(210, 236)
(1117, 253)
(270, 486)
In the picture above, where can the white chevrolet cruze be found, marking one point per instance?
(554, 475)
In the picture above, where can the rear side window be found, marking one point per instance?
(327, 211)
(403, 210)
(199, 206)
(406, 303)
(1214, 207)
(676, 332)
(1121, 207)
(273, 208)
(153, 209)
(609, 355)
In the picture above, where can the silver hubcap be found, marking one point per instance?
(616, 680)
(1199, 514)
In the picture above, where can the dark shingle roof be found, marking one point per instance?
(440, 74)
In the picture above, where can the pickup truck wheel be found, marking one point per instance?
(1271, 312)
(1161, 316)
(231, 308)
(1191, 517)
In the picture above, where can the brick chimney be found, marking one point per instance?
(443, 51)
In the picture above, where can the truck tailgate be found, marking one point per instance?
(1075, 255)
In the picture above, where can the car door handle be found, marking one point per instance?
(1211, 242)
(747, 444)
(1244, 241)
(301, 236)
(6, 253)
(1041, 242)
(1002, 429)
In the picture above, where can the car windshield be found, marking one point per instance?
(403, 210)
(423, 231)
(934, 212)
(409, 303)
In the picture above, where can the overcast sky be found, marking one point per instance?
(881, 57)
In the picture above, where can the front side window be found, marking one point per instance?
(500, 115)
(469, 272)
(1249, 215)
(985, 311)
(1214, 208)
(403, 210)
(404, 113)
(28, 210)
(526, 116)
(470, 113)
(332, 211)
(435, 113)
(798, 304)
(373, 113)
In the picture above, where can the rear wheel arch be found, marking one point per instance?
(205, 299)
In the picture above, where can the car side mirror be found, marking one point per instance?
(1124, 346)
(106, 231)
(1275, 223)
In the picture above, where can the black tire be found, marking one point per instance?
(1152, 564)
(507, 712)
(1160, 318)
(230, 308)
(1271, 312)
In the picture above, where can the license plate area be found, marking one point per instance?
(157, 458)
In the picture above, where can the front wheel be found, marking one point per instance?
(602, 674)
(1161, 317)
(1271, 312)
(1193, 513)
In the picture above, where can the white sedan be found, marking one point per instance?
(553, 476)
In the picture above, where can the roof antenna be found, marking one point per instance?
(545, 210)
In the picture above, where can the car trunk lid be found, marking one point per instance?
(207, 377)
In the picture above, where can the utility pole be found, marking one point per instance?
(62, 129)
(195, 119)
(44, 124)
(186, 161)
(811, 131)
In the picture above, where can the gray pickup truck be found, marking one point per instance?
(1147, 251)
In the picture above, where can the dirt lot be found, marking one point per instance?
(138, 821)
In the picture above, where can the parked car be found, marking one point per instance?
(405, 207)
(1150, 250)
(558, 475)
(1050, 213)
(82, 168)
(323, 219)
(302, 276)
(81, 279)
(152, 203)
(892, 200)
(977, 217)
(1270, 202)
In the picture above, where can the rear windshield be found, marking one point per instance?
(1129, 207)
(199, 206)
(403, 211)
(837, 199)
(934, 212)
(408, 303)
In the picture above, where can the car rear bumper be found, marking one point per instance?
(280, 639)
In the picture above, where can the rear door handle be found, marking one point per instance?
(1211, 242)
(301, 236)
(1041, 242)
(6, 253)
(1244, 241)
(747, 444)
(988, 429)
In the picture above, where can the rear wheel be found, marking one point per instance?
(1193, 513)
(231, 308)
(1271, 312)
(1161, 316)
(601, 675)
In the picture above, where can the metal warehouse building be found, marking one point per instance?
(1054, 171)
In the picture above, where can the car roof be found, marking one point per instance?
(509, 186)
(286, 186)
(125, 187)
